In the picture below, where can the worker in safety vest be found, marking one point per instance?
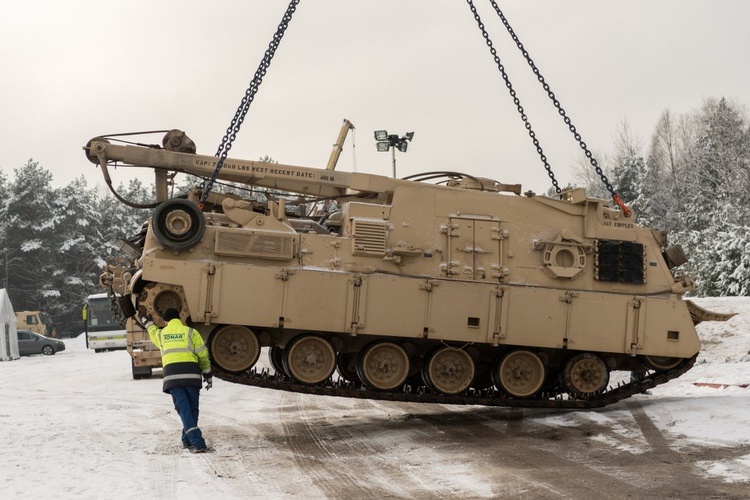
(185, 362)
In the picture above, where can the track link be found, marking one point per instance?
(485, 397)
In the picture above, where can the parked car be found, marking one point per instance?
(33, 343)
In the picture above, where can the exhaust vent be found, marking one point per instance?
(261, 244)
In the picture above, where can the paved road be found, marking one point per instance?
(323, 447)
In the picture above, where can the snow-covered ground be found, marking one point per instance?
(75, 425)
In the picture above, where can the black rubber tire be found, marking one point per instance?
(346, 366)
(307, 342)
(524, 373)
(585, 374)
(390, 385)
(172, 240)
(276, 358)
(661, 363)
(48, 350)
(234, 348)
(434, 384)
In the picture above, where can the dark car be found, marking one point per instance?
(33, 343)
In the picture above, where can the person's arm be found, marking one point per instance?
(153, 333)
(201, 350)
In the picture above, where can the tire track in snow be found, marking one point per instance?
(314, 453)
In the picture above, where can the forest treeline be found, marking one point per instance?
(692, 179)
(54, 240)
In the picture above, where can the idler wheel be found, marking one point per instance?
(519, 373)
(309, 359)
(585, 375)
(661, 363)
(383, 366)
(448, 370)
(234, 348)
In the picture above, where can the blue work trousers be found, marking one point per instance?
(186, 403)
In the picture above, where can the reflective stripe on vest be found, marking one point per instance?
(183, 376)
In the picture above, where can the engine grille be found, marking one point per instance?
(369, 237)
(262, 244)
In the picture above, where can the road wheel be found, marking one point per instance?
(234, 348)
(383, 366)
(448, 370)
(661, 363)
(309, 359)
(415, 371)
(585, 375)
(519, 373)
(276, 358)
(48, 350)
(483, 375)
(346, 365)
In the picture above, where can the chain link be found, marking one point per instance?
(554, 100)
(239, 116)
(513, 95)
(114, 308)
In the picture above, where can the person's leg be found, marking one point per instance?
(194, 399)
(196, 437)
(185, 399)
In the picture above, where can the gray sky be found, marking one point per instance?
(77, 69)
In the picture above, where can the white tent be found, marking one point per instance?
(8, 333)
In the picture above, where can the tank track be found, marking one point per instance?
(485, 397)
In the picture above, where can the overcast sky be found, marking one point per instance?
(78, 69)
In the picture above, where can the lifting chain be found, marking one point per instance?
(516, 100)
(114, 308)
(239, 116)
(554, 100)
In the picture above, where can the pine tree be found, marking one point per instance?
(30, 258)
(119, 220)
(628, 180)
(3, 229)
(716, 200)
(79, 249)
(718, 163)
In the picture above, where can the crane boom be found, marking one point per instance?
(303, 180)
(339, 146)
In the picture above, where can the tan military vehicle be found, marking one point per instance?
(144, 355)
(35, 321)
(461, 291)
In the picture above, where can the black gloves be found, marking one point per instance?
(209, 380)
(145, 319)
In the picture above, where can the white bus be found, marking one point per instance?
(102, 332)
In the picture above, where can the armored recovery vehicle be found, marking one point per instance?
(441, 287)
(463, 291)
